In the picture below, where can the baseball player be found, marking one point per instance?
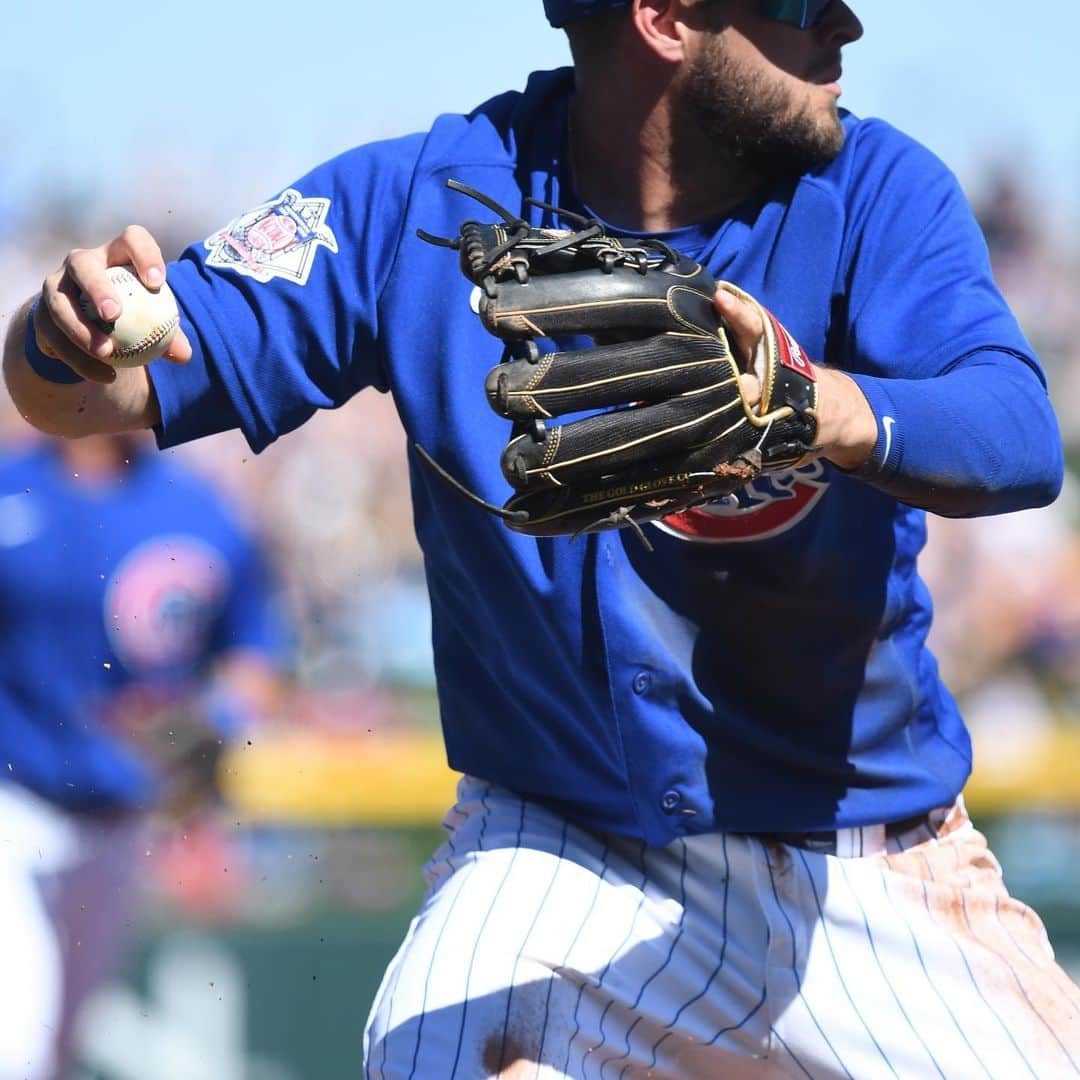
(711, 820)
(127, 591)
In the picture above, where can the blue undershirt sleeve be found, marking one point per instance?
(965, 426)
(982, 439)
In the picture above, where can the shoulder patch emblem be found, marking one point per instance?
(277, 239)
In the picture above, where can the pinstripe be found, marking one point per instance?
(612, 958)
(971, 976)
(664, 964)
(569, 950)
(532, 926)
(480, 936)
(723, 951)
(881, 968)
(390, 1002)
(577, 1004)
(795, 971)
(404, 949)
(791, 1054)
(427, 980)
(1009, 934)
(1020, 984)
(922, 964)
(836, 965)
(752, 1012)
(1066, 985)
(404, 952)
(438, 941)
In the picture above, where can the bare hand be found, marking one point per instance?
(65, 333)
(743, 325)
(847, 429)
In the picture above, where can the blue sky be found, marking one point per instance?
(226, 101)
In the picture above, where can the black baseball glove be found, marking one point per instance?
(666, 425)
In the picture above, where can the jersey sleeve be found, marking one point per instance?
(282, 304)
(965, 425)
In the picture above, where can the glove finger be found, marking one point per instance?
(622, 443)
(652, 369)
(562, 511)
(625, 302)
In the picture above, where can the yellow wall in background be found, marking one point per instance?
(403, 779)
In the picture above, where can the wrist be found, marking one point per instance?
(847, 428)
(43, 365)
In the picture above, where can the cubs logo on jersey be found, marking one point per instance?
(768, 506)
(277, 239)
(163, 601)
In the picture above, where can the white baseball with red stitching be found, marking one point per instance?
(147, 322)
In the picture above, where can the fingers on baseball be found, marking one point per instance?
(179, 350)
(136, 246)
(69, 333)
(63, 332)
(85, 269)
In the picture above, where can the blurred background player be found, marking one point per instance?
(141, 632)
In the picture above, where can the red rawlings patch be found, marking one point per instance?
(791, 354)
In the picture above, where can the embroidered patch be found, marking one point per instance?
(277, 239)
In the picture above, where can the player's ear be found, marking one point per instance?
(662, 27)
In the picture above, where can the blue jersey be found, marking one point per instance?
(107, 586)
(765, 668)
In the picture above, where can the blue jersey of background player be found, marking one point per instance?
(141, 631)
(124, 584)
(715, 735)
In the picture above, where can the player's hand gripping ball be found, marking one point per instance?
(147, 322)
(667, 425)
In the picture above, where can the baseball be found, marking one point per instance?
(147, 320)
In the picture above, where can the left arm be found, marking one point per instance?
(979, 439)
(942, 403)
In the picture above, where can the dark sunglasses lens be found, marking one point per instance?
(801, 13)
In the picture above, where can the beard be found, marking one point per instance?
(755, 120)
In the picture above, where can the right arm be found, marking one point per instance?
(106, 399)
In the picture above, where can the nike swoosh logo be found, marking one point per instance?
(888, 421)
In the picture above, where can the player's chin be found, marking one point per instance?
(828, 130)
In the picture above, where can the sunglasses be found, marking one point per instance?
(800, 13)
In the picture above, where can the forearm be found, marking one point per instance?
(80, 408)
(981, 439)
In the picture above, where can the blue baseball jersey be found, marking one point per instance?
(138, 581)
(765, 668)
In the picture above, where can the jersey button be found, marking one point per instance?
(642, 682)
(670, 801)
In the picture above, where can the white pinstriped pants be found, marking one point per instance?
(544, 951)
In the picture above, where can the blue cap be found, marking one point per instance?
(561, 12)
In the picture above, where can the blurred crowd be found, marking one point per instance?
(1007, 589)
